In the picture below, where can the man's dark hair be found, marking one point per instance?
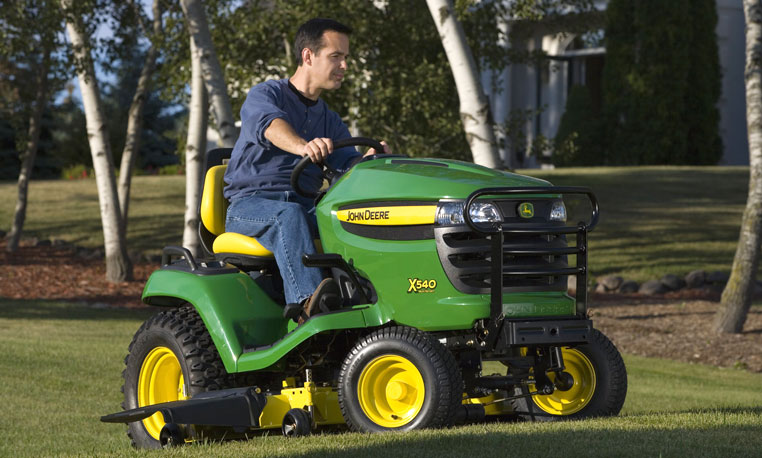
(310, 35)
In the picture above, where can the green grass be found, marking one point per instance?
(654, 220)
(60, 367)
(69, 210)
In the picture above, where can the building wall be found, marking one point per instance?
(518, 88)
(731, 41)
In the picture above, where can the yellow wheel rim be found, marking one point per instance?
(391, 391)
(160, 380)
(579, 395)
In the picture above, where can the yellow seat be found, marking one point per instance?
(213, 209)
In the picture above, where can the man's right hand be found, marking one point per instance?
(317, 149)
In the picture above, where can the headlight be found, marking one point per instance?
(451, 213)
(558, 211)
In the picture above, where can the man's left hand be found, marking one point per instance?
(373, 151)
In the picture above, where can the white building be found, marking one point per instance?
(574, 60)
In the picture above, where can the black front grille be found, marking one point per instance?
(466, 259)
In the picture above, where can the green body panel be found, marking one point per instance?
(391, 265)
(239, 314)
(235, 310)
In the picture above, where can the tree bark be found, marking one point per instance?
(195, 148)
(213, 76)
(118, 265)
(474, 107)
(30, 153)
(737, 296)
(135, 121)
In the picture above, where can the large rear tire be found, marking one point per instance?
(171, 358)
(399, 379)
(599, 389)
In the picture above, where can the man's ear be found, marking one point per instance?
(307, 56)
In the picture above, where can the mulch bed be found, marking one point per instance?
(674, 326)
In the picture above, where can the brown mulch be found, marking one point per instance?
(60, 273)
(675, 326)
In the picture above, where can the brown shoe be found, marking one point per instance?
(327, 290)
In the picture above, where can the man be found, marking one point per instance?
(281, 122)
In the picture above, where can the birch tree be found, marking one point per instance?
(135, 118)
(474, 107)
(118, 265)
(195, 149)
(222, 111)
(29, 41)
(737, 296)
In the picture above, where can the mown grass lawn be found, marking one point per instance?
(654, 220)
(60, 367)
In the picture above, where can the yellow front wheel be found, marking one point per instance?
(599, 385)
(576, 397)
(391, 391)
(399, 379)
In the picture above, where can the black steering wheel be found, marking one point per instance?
(329, 172)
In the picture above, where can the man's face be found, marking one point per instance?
(330, 63)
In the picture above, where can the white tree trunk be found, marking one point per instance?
(213, 76)
(27, 162)
(135, 122)
(195, 148)
(738, 294)
(118, 265)
(474, 108)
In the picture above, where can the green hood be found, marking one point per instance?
(423, 179)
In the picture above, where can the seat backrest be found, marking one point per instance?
(214, 206)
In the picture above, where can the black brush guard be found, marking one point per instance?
(496, 232)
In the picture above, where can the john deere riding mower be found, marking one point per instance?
(453, 306)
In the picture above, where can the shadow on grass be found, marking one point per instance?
(654, 434)
(14, 309)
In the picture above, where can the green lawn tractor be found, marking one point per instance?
(452, 307)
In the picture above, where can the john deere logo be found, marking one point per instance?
(526, 210)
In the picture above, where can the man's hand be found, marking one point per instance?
(317, 149)
(373, 151)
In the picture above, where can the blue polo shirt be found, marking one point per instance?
(258, 165)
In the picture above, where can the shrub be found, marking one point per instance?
(662, 82)
(77, 172)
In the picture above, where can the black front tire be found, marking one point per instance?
(599, 390)
(174, 349)
(399, 379)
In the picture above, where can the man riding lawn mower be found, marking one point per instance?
(439, 266)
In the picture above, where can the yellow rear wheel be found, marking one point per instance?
(581, 392)
(391, 391)
(160, 380)
(171, 358)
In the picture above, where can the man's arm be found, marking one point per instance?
(281, 134)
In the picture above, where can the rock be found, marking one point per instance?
(601, 288)
(672, 282)
(629, 286)
(652, 287)
(717, 277)
(59, 242)
(571, 284)
(611, 282)
(695, 279)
